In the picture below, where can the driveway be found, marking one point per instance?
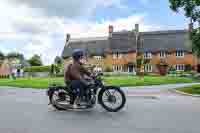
(26, 111)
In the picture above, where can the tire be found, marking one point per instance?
(101, 102)
(55, 105)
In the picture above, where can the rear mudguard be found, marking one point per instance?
(51, 90)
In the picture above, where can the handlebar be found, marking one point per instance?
(96, 75)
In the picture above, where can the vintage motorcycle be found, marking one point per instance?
(111, 98)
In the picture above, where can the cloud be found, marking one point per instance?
(68, 8)
(45, 35)
(39, 27)
(93, 29)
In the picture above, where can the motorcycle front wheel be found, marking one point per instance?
(112, 98)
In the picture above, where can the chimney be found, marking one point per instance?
(110, 30)
(191, 27)
(67, 39)
(137, 28)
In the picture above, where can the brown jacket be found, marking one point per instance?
(75, 71)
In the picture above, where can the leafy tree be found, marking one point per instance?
(2, 56)
(35, 60)
(58, 60)
(15, 55)
(192, 11)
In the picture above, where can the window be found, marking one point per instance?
(117, 68)
(148, 68)
(179, 53)
(117, 56)
(114, 56)
(98, 69)
(147, 55)
(180, 67)
(98, 57)
(163, 54)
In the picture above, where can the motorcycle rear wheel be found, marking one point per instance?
(55, 102)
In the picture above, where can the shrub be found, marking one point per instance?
(4, 76)
(37, 69)
(172, 70)
(188, 68)
(60, 75)
(146, 74)
(108, 69)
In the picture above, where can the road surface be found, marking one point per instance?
(157, 111)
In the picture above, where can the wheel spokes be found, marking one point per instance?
(107, 93)
(115, 98)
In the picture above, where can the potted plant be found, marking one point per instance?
(162, 67)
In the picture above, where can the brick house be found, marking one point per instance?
(12, 66)
(4, 69)
(118, 50)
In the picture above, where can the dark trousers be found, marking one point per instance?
(78, 86)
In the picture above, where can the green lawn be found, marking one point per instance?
(117, 80)
(195, 89)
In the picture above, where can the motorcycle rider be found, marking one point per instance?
(76, 75)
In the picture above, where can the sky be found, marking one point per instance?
(39, 26)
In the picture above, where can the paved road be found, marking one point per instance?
(26, 111)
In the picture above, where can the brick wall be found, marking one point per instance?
(4, 69)
(124, 60)
(171, 59)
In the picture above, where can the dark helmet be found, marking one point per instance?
(77, 54)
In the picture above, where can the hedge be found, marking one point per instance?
(38, 69)
(4, 76)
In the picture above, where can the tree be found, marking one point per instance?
(192, 11)
(15, 55)
(35, 60)
(2, 56)
(58, 60)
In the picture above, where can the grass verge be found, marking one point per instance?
(115, 80)
(194, 89)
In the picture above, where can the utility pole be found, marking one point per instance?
(139, 60)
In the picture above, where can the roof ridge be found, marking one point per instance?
(164, 31)
(88, 39)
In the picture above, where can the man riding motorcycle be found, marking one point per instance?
(76, 75)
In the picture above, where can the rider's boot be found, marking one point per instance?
(82, 101)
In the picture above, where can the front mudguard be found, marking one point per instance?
(105, 88)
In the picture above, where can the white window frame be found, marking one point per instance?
(163, 54)
(180, 67)
(180, 53)
(120, 55)
(147, 55)
(148, 68)
(98, 57)
(114, 56)
(117, 55)
(98, 69)
(117, 68)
